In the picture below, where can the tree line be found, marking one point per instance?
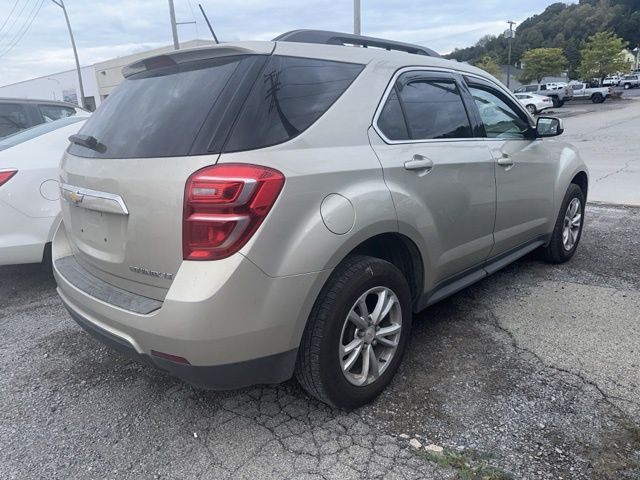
(600, 55)
(566, 37)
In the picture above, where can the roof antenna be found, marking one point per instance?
(208, 23)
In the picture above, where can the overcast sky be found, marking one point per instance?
(109, 28)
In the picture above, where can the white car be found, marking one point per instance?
(29, 192)
(534, 103)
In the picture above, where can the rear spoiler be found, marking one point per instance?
(197, 54)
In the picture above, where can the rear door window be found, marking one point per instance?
(432, 106)
(391, 121)
(13, 118)
(287, 98)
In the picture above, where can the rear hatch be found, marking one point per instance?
(123, 177)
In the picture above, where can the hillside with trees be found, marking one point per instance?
(562, 26)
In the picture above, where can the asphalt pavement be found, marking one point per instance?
(608, 138)
(530, 374)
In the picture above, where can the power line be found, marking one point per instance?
(15, 19)
(9, 16)
(25, 30)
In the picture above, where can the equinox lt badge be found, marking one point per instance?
(151, 273)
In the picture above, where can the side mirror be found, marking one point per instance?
(549, 127)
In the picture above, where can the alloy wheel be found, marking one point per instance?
(572, 223)
(370, 336)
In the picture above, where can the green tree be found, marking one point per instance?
(489, 64)
(601, 55)
(540, 62)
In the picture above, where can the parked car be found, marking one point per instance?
(558, 94)
(291, 205)
(630, 81)
(612, 81)
(534, 103)
(29, 193)
(582, 91)
(19, 114)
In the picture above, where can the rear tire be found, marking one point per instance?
(627, 86)
(532, 109)
(567, 232)
(556, 102)
(597, 98)
(325, 368)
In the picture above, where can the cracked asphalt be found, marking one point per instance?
(533, 371)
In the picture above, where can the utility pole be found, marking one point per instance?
(510, 38)
(60, 3)
(356, 17)
(174, 25)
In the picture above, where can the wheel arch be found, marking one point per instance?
(570, 169)
(582, 180)
(400, 251)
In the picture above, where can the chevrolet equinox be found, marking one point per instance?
(246, 212)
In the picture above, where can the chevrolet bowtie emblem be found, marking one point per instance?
(75, 198)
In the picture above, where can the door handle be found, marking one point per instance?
(505, 160)
(419, 163)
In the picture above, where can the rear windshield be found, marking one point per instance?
(157, 113)
(193, 108)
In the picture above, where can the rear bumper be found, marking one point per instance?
(272, 369)
(233, 324)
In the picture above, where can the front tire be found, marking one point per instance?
(532, 109)
(356, 333)
(627, 86)
(568, 228)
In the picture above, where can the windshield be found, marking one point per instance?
(33, 132)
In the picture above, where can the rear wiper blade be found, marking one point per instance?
(88, 141)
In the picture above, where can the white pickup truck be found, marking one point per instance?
(582, 91)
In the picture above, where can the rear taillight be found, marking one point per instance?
(223, 207)
(5, 176)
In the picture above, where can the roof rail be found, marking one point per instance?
(338, 38)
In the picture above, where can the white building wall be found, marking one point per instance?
(98, 80)
(56, 86)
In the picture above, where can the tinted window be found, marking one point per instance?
(289, 96)
(500, 120)
(433, 109)
(33, 132)
(391, 121)
(158, 112)
(531, 88)
(56, 112)
(12, 118)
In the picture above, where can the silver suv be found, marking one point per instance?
(242, 213)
